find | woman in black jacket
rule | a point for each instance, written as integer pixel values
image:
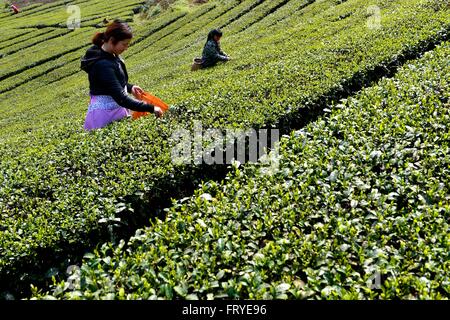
(108, 79)
(212, 53)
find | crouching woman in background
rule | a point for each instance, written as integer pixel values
(212, 52)
(108, 79)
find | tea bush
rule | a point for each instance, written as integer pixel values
(358, 208)
(63, 190)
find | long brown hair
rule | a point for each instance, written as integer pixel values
(117, 30)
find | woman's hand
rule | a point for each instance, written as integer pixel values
(158, 112)
(137, 92)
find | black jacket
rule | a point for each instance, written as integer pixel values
(108, 76)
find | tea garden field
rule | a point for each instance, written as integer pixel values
(358, 206)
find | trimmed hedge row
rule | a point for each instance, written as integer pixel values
(196, 31)
(173, 24)
(187, 34)
(358, 208)
(37, 39)
(54, 48)
(36, 10)
(65, 192)
(66, 61)
(58, 14)
(256, 14)
(12, 36)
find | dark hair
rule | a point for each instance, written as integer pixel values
(117, 30)
(213, 33)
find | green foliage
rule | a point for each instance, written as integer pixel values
(62, 190)
(362, 193)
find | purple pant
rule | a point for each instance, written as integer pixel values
(102, 111)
